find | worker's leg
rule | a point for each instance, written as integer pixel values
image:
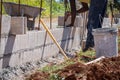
(73, 12)
(103, 12)
(96, 14)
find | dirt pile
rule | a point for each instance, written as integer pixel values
(38, 76)
(106, 69)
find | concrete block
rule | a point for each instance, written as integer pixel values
(6, 21)
(16, 44)
(27, 56)
(40, 37)
(18, 25)
(31, 39)
(22, 42)
(1, 64)
(78, 21)
(9, 44)
(14, 59)
(106, 22)
(3, 45)
(10, 60)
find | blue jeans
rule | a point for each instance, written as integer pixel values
(95, 18)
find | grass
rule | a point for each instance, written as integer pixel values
(53, 68)
(89, 56)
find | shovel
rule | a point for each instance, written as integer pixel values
(54, 40)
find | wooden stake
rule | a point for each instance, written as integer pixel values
(54, 40)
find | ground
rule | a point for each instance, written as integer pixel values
(105, 69)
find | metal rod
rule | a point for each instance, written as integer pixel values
(54, 40)
(50, 14)
(65, 5)
(19, 7)
(1, 18)
(40, 15)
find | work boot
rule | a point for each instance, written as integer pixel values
(88, 47)
(85, 49)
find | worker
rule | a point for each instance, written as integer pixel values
(74, 10)
(95, 18)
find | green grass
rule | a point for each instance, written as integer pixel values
(53, 68)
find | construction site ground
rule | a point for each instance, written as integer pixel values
(77, 68)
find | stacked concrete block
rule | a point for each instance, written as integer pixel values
(36, 45)
(1, 63)
(18, 25)
(3, 45)
(118, 22)
(78, 21)
(9, 45)
(6, 21)
(106, 22)
(14, 59)
(5, 29)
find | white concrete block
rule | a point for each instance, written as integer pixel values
(9, 44)
(14, 59)
(3, 45)
(6, 21)
(78, 21)
(18, 25)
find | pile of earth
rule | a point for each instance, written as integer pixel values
(105, 69)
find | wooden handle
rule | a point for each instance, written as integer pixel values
(54, 40)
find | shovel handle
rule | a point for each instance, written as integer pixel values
(54, 40)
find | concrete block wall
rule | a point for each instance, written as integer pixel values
(36, 45)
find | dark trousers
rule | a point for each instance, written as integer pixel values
(95, 18)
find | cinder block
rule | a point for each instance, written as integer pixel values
(18, 25)
(9, 44)
(38, 44)
(6, 21)
(78, 21)
(3, 45)
(106, 22)
(1, 64)
(14, 59)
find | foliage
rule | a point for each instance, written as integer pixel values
(115, 6)
(53, 68)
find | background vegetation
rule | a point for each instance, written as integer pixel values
(57, 6)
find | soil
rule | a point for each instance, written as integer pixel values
(105, 69)
(38, 76)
